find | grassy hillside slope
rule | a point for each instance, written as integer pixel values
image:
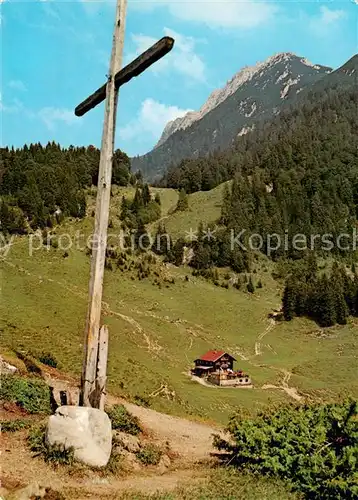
(204, 206)
(156, 333)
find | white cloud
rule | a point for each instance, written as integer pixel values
(50, 116)
(329, 16)
(215, 14)
(151, 120)
(183, 58)
(326, 20)
(15, 107)
(17, 85)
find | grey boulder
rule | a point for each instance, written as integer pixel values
(87, 430)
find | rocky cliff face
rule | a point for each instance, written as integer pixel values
(220, 95)
(254, 93)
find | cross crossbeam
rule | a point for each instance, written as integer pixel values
(133, 69)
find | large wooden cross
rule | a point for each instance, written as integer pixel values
(94, 367)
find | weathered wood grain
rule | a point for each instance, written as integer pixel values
(133, 69)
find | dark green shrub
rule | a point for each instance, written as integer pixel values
(123, 420)
(250, 286)
(313, 447)
(15, 425)
(108, 264)
(32, 395)
(48, 359)
(59, 455)
(149, 454)
(54, 242)
(29, 361)
(36, 439)
(141, 401)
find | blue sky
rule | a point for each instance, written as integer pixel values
(54, 54)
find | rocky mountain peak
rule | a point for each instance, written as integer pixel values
(218, 96)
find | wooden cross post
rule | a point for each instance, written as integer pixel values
(94, 367)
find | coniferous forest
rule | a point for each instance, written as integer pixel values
(299, 171)
(39, 185)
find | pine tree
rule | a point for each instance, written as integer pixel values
(325, 303)
(250, 286)
(355, 308)
(137, 202)
(289, 301)
(337, 284)
(163, 243)
(141, 237)
(183, 203)
(146, 197)
(178, 252)
(124, 208)
(139, 178)
(226, 205)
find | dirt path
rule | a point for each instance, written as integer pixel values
(191, 440)
(161, 219)
(20, 467)
(291, 391)
(271, 326)
(238, 352)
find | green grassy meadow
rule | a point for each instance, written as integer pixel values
(156, 333)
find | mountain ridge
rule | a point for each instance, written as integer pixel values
(262, 92)
(221, 94)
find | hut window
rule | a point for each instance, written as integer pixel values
(246, 379)
(240, 380)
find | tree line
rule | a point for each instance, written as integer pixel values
(318, 135)
(295, 176)
(326, 298)
(298, 174)
(39, 185)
